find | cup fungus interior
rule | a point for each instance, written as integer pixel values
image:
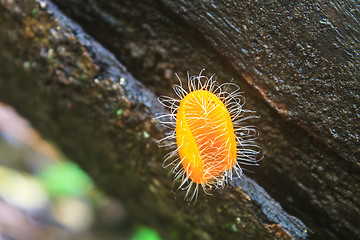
(205, 136)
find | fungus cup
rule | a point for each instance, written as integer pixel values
(210, 134)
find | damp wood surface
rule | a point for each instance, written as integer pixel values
(296, 63)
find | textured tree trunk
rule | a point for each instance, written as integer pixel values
(297, 63)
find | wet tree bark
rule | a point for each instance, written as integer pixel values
(298, 65)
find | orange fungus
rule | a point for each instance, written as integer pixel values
(209, 133)
(205, 136)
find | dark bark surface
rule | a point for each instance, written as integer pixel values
(297, 64)
(78, 95)
(302, 56)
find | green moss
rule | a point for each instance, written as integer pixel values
(119, 112)
(35, 11)
(234, 228)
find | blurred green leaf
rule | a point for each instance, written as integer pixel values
(145, 233)
(65, 178)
